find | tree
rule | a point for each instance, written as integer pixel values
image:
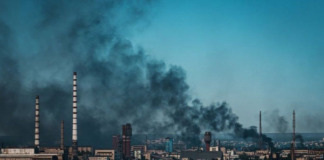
(244, 157)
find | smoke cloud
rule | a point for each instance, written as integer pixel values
(307, 122)
(43, 42)
(301, 141)
(276, 121)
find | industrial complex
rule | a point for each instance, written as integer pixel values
(122, 148)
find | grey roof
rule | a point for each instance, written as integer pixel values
(201, 155)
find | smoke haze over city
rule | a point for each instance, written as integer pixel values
(128, 74)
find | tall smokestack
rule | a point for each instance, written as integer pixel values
(260, 131)
(37, 124)
(294, 133)
(207, 139)
(146, 141)
(62, 134)
(75, 122)
(294, 139)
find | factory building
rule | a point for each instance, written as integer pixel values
(230, 155)
(142, 148)
(98, 158)
(23, 151)
(29, 154)
(61, 154)
(216, 148)
(138, 151)
(202, 155)
(81, 151)
(29, 157)
(104, 154)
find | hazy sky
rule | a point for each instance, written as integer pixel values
(256, 55)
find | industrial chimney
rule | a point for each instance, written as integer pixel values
(260, 132)
(75, 122)
(293, 144)
(207, 139)
(37, 125)
(294, 133)
(62, 135)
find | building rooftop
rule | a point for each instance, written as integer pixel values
(201, 155)
(27, 155)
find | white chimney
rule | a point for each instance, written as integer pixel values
(75, 118)
(37, 122)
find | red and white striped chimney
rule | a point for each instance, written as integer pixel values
(37, 123)
(75, 113)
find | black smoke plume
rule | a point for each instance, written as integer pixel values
(301, 141)
(43, 42)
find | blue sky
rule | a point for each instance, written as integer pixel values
(256, 55)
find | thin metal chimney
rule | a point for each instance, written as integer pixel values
(75, 113)
(37, 123)
(62, 134)
(294, 133)
(260, 131)
(294, 139)
(146, 141)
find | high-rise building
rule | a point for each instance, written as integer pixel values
(117, 146)
(127, 133)
(169, 144)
